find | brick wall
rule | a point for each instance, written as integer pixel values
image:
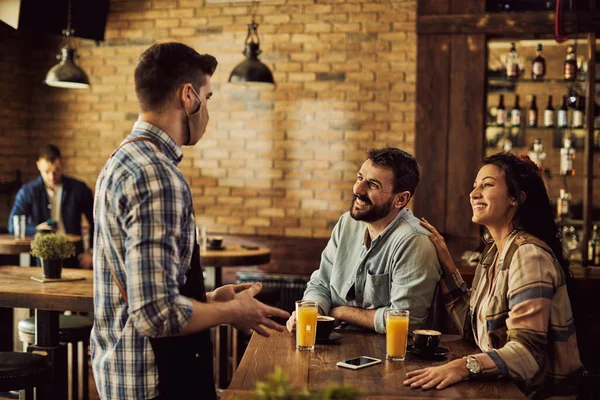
(15, 110)
(274, 161)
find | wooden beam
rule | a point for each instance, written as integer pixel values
(465, 130)
(588, 163)
(505, 24)
(431, 140)
(433, 7)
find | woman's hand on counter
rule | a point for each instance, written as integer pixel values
(443, 254)
(438, 377)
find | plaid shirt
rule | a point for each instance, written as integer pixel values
(145, 226)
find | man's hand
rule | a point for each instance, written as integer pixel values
(226, 292)
(251, 314)
(291, 322)
(438, 377)
(86, 260)
(44, 227)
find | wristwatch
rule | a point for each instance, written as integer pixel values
(473, 366)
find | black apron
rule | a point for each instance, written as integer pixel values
(184, 363)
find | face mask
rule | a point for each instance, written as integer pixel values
(197, 121)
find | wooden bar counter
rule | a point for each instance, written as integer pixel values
(318, 370)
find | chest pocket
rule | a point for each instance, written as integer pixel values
(377, 290)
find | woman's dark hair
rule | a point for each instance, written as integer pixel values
(534, 213)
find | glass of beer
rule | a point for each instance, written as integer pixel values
(306, 324)
(396, 336)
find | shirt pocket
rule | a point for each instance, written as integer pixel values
(377, 290)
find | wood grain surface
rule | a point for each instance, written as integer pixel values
(9, 245)
(318, 370)
(17, 289)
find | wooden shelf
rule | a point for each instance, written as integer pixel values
(507, 24)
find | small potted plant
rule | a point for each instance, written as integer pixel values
(52, 249)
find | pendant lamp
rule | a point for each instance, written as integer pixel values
(252, 69)
(66, 74)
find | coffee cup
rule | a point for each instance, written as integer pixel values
(426, 340)
(325, 325)
(216, 242)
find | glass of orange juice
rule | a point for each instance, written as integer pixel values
(396, 322)
(306, 324)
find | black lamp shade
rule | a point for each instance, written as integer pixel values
(251, 70)
(66, 74)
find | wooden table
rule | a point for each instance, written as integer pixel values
(232, 255)
(17, 289)
(11, 246)
(318, 370)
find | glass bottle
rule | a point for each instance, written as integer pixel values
(512, 63)
(563, 204)
(578, 114)
(594, 247)
(532, 114)
(537, 154)
(549, 114)
(538, 67)
(515, 113)
(567, 157)
(501, 112)
(570, 66)
(562, 114)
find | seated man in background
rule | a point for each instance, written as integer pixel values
(379, 256)
(54, 196)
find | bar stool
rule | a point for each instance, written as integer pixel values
(23, 372)
(73, 329)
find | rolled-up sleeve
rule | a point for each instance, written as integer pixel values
(153, 205)
(318, 287)
(415, 275)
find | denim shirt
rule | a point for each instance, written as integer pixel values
(400, 270)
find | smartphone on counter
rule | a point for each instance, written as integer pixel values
(358, 362)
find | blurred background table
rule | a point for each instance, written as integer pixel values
(17, 289)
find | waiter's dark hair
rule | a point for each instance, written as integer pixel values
(164, 67)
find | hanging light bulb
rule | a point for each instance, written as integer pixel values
(252, 69)
(66, 74)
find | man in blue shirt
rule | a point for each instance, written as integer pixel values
(379, 256)
(55, 196)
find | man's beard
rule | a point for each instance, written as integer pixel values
(372, 213)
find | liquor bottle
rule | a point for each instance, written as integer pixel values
(563, 204)
(578, 114)
(532, 114)
(594, 247)
(501, 112)
(549, 114)
(538, 67)
(512, 63)
(570, 67)
(515, 113)
(567, 157)
(537, 154)
(563, 113)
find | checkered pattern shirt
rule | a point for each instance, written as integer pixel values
(145, 226)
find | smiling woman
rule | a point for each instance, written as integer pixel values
(520, 282)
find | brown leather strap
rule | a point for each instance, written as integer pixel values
(122, 290)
